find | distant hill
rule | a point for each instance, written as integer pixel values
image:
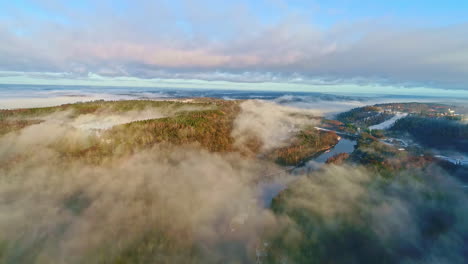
(435, 132)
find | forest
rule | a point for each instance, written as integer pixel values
(435, 132)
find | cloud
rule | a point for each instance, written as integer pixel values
(269, 123)
(152, 40)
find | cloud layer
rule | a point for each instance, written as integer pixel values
(209, 41)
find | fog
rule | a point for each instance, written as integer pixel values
(61, 210)
(347, 212)
(270, 123)
(54, 210)
(183, 204)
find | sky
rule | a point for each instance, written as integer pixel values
(336, 45)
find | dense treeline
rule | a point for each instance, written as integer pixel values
(435, 132)
(16, 119)
(364, 116)
(211, 129)
(305, 144)
(372, 115)
(91, 107)
(420, 108)
(205, 122)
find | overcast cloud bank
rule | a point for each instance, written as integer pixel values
(212, 42)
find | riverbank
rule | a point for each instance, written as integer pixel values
(269, 190)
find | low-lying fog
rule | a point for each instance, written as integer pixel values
(327, 104)
(182, 204)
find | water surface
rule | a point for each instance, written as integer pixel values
(269, 190)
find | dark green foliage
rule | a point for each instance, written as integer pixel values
(378, 133)
(350, 128)
(364, 116)
(435, 132)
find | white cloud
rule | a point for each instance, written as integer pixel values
(210, 41)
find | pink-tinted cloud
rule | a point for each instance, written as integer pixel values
(201, 37)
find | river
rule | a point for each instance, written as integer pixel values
(269, 190)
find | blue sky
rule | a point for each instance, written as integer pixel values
(322, 12)
(292, 44)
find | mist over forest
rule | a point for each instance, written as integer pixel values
(183, 181)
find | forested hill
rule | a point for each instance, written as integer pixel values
(371, 115)
(435, 132)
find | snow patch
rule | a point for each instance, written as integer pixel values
(389, 123)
